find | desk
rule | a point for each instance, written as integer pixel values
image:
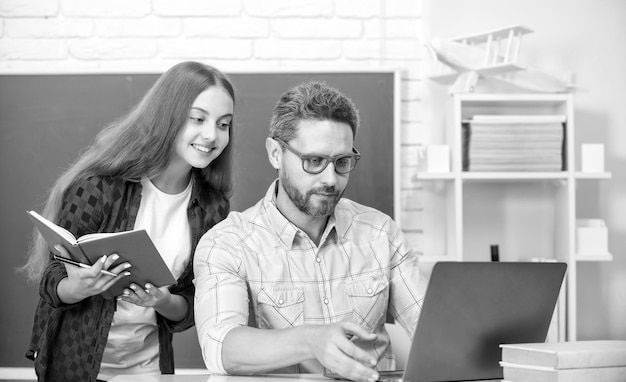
(230, 378)
(222, 378)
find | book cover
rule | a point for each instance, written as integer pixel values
(567, 355)
(134, 247)
(524, 373)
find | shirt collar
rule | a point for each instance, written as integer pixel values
(284, 229)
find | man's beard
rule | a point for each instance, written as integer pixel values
(325, 207)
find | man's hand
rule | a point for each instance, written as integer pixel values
(333, 347)
(247, 350)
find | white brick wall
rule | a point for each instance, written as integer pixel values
(42, 28)
(104, 9)
(289, 8)
(29, 8)
(317, 28)
(196, 8)
(116, 35)
(232, 27)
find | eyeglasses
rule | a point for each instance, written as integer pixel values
(316, 163)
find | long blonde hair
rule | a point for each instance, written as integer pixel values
(139, 145)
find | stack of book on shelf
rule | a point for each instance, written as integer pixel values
(513, 143)
(576, 361)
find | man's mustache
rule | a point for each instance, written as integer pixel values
(325, 190)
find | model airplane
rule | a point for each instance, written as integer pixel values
(491, 56)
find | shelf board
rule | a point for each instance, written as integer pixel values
(594, 257)
(433, 176)
(530, 175)
(593, 175)
(487, 176)
(490, 98)
(468, 175)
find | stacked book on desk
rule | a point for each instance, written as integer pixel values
(513, 143)
(576, 361)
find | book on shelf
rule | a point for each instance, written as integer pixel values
(566, 355)
(135, 247)
(525, 373)
(519, 118)
(514, 167)
(513, 143)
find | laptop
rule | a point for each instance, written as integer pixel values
(470, 308)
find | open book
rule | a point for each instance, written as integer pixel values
(134, 247)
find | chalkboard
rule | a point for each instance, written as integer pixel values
(45, 120)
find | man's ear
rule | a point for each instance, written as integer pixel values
(274, 153)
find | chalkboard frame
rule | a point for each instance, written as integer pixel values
(14, 340)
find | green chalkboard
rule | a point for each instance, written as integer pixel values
(45, 120)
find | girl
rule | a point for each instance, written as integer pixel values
(165, 167)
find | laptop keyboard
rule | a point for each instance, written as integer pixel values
(383, 376)
(390, 376)
(389, 379)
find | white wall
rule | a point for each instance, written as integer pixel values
(586, 37)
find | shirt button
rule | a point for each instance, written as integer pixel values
(281, 301)
(370, 291)
(318, 259)
(326, 301)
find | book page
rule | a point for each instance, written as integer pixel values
(98, 235)
(67, 235)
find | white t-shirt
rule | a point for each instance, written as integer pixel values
(133, 344)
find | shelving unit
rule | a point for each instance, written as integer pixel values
(531, 216)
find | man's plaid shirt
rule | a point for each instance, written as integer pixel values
(256, 268)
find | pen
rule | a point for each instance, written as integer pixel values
(76, 263)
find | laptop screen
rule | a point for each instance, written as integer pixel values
(470, 308)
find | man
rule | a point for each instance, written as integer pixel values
(304, 279)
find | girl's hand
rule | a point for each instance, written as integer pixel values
(171, 306)
(150, 296)
(86, 282)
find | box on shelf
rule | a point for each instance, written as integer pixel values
(591, 237)
(592, 157)
(438, 158)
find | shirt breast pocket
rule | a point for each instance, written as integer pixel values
(280, 308)
(369, 298)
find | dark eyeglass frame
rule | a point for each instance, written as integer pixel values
(326, 158)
